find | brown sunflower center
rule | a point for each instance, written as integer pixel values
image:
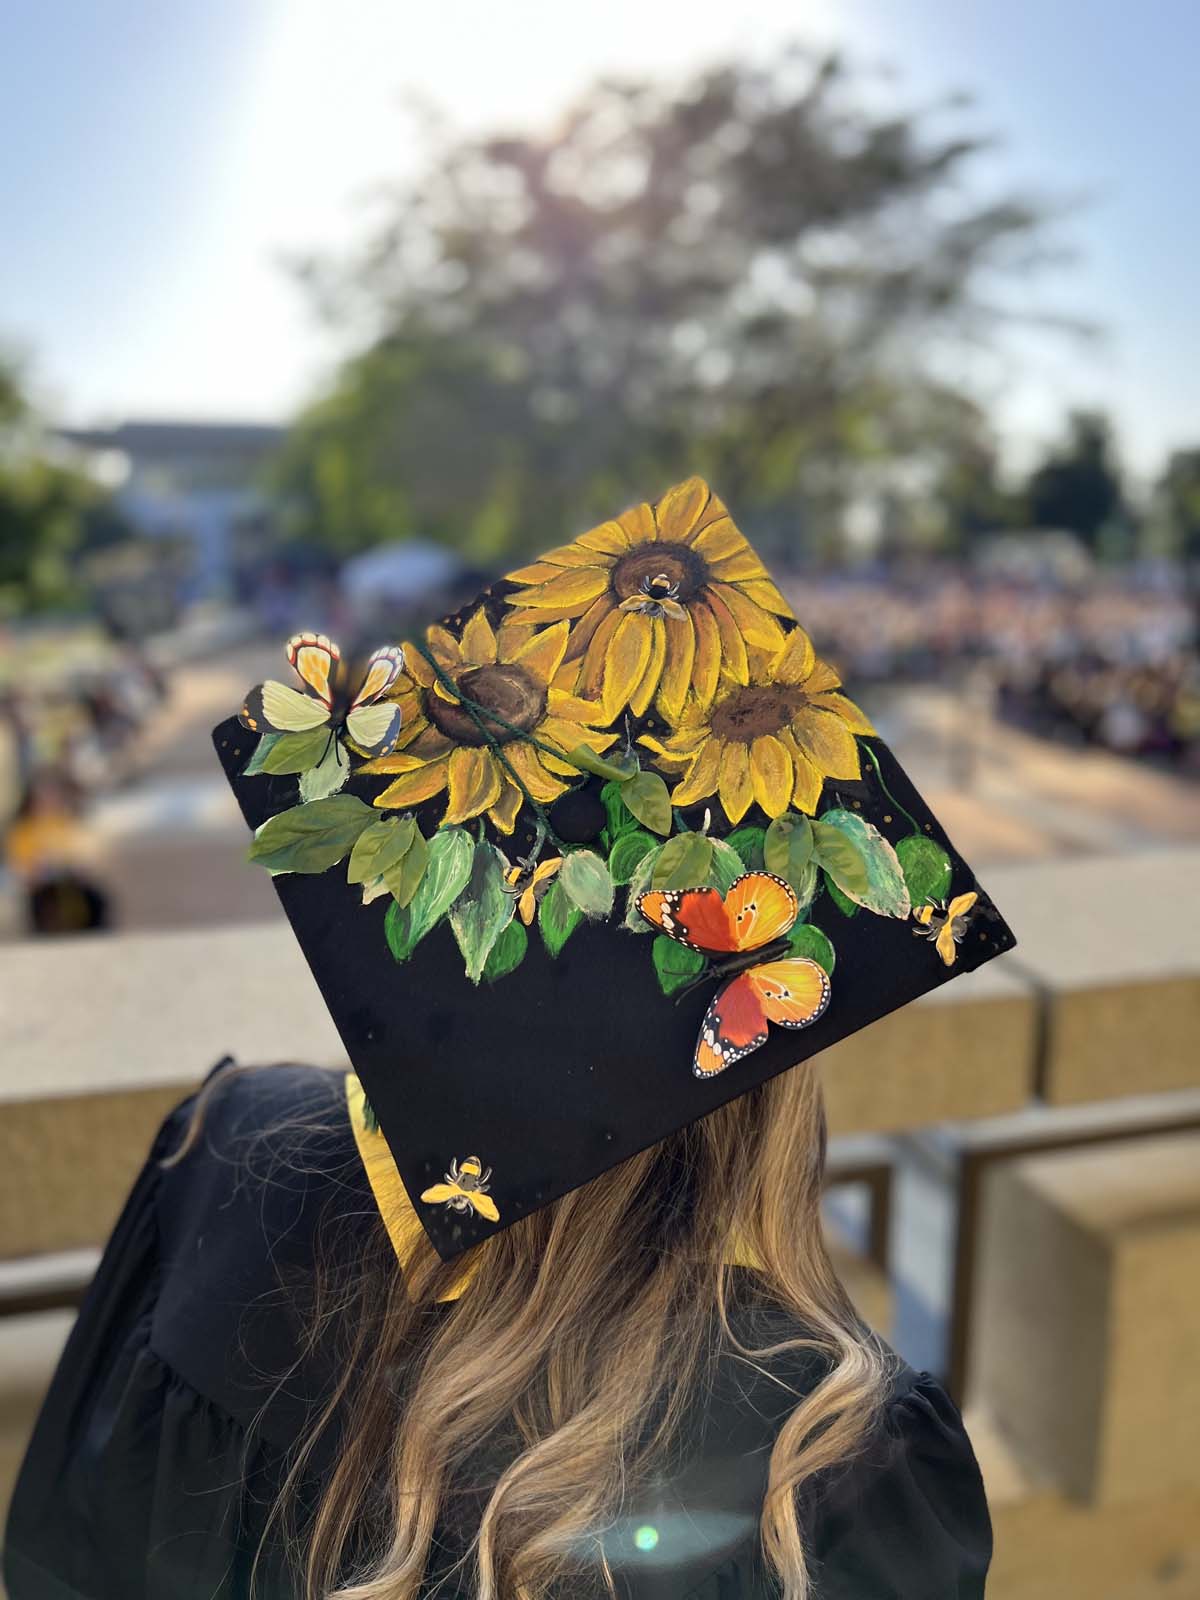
(660, 568)
(509, 691)
(764, 708)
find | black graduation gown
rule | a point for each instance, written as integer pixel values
(164, 1438)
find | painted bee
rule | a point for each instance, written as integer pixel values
(465, 1189)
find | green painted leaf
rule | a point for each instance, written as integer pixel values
(508, 952)
(647, 798)
(748, 842)
(807, 940)
(374, 889)
(788, 848)
(628, 854)
(683, 862)
(328, 776)
(926, 868)
(840, 857)
(726, 867)
(314, 837)
(587, 760)
(806, 884)
(557, 918)
(674, 964)
(482, 911)
(885, 891)
(620, 819)
(288, 752)
(587, 883)
(379, 848)
(635, 922)
(405, 876)
(448, 866)
(846, 906)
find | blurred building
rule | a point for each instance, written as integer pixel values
(198, 485)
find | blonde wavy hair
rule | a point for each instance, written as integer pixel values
(586, 1332)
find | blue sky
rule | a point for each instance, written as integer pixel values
(158, 162)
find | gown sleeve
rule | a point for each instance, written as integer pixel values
(908, 1520)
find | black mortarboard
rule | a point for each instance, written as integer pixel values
(590, 858)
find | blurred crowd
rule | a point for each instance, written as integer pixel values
(1108, 663)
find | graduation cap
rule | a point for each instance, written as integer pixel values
(591, 857)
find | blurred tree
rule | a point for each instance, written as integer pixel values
(48, 512)
(754, 277)
(1078, 487)
(971, 499)
(1177, 497)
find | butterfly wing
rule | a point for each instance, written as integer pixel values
(734, 1025)
(273, 707)
(694, 917)
(315, 658)
(382, 670)
(792, 992)
(760, 907)
(374, 728)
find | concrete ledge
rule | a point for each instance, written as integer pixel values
(1114, 944)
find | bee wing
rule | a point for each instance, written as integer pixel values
(947, 947)
(441, 1192)
(924, 914)
(484, 1204)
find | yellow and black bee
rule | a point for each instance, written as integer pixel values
(946, 925)
(465, 1189)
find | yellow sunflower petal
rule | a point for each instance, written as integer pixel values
(827, 742)
(639, 700)
(574, 589)
(702, 779)
(713, 512)
(609, 539)
(535, 572)
(570, 708)
(626, 661)
(733, 646)
(582, 632)
(706, 667)
(806, 792)
(735, 788)
(474, 783)
(794, 660)
(504, 812)
(638, 522)
(679, 510)
(541, 785)
(677, 668)
(569, 734)
(764, 593)
(758, 628)
(417, 667)
(414, 787)
(443, 647)
(573, 555)
(853, 716)
(771, 774)
(739, 566)
(821, 678)
(669, 760)
(719, 540)
(591, 673)
(479, 641)
(542, 654)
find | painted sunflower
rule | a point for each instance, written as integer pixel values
(663, 600)
(773, 740)
(441, 746)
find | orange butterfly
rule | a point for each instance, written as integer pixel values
(748, 923)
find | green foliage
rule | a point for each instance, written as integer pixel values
(683, 862)
(449, 857)
(379, 847)
(750, 845)
(482, 911)
(287, 752)
(620, 819)
(586, 759)
(848, 907)
(600, 250)
(807, 940)
(646, 796)
(635, 922)
(840, 858)
(628, 853)
(788, 849)
(726, 866)
(507, 953)
(926, 868)
(329, 774)
(311, 838)
(884, 891)
(557, 918)
(586, 883)
(674, 964)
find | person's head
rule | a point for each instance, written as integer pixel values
(583, 1335)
